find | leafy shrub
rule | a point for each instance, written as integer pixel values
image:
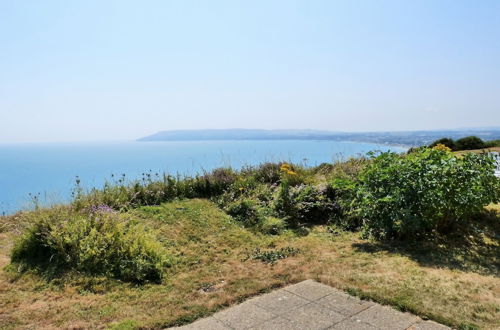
(214, 183)
(428, 190)
(469, 143)
(271, 225)
(441, 147)
(345, 192)
(246, 211)
(289, 175)
(99, 242)
(324, 168)
(268, 173)
(444, 141)
(305, 204)
(492, 143)
(349, 168)
(466, 143)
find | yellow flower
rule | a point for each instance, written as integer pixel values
(441, 147)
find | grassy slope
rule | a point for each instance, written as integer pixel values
(455, 283)
(478, 151)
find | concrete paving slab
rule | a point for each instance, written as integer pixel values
(428, 325)
(313, 317)
(310, 290)
(279, 301)
(208, 323)
(344, 303)
(309, 305)
(386, 318)
(351, 324)
(277, 323)
(243, 316)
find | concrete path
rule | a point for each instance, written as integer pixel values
(311, 305)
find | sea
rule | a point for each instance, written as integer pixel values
(49, 171)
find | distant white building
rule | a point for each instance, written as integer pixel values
(496, 156)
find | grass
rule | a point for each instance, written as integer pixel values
(218, 263)
(478, 151)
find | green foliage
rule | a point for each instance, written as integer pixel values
(246, 211)
(214, 183)
(492, 143)
(466, 143)
(272, 225)
(272, 256)
(345, 192)
(426, 191)
(305, 204)
(125, 325)
(469, 143)
(390, 196)
(154, 189)
(98, 242)
(444, 141)
(268, 173)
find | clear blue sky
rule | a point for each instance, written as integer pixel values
(111, 70)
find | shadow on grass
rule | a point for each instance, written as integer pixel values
(474, 248)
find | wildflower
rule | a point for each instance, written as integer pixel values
(441, 147)
(285, 167)
(94, 209)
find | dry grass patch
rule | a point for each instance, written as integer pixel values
(443, 280)
(478, 151)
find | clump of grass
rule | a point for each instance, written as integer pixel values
(272, 256)
(272, 225)
(153, 189)
(98, 242)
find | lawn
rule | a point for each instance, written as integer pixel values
(454, 280)
(478, 151)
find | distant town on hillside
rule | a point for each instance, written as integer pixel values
(406, 138)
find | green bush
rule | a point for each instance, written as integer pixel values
(305, 204)
(426, 191)
(492, 143)
(99, 242)
(246, 211)
(469, 143)
(267, 173)
(214, 183)
(466, 143)
(444, 141)
(154, 189)
(271, 225)
(345, 192)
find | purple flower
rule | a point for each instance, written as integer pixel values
(101, 209)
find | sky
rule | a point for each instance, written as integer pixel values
(99, 70)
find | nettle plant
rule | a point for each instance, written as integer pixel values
(430, 190)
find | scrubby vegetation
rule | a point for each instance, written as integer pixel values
(466, 143)
(98, 242)
(423, 193)
(185, 234)
(387, 195)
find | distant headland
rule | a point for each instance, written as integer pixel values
(406, 138)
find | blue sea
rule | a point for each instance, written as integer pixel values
(50, 170)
